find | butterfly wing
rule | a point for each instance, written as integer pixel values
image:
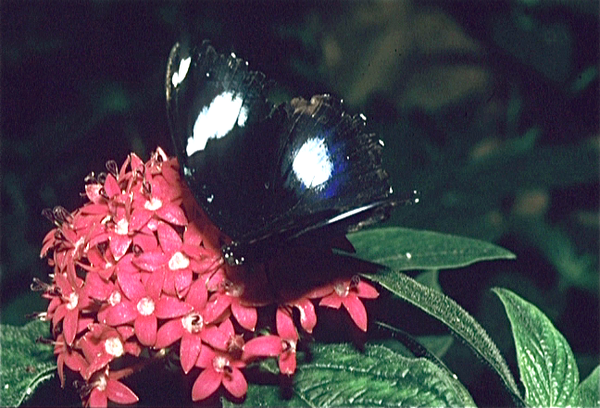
(328, 162)
(328, 180)
(223, 134)
(266, 177)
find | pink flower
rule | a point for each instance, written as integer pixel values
(191, 329)
(269, 345)
(143, 306)
(289, 339)
(118, 229)
(50, 241)
(347, 293)
(66, 355)
(283, 345)
(106, 387)
(176, 259)
(102, 262)
(73, 300)
(308, 317)
(160, 163)
(221, 367)
(102, 344)
(158, 198)
(122, 225)
(114, 298)
(96, 287)
(230, 295)
(70, 239)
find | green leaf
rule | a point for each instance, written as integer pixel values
(408, 249)
(25, 363)
(546, 363)
(340, 375)
(452, 315)
(589, 390)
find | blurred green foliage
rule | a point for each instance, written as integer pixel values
(489, 109)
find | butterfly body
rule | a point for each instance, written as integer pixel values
(270, 177)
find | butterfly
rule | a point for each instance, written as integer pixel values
(270, 177)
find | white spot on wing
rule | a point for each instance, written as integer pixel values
(216, 120)
(179, 76)
(312, 164)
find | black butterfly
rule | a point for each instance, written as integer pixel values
(270, 177)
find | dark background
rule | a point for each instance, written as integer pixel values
(488, 108)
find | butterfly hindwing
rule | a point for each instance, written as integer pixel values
(329, 162)
(329, 176)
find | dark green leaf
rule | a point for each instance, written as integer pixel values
(408, 249)
(558, 247)
(451, 314)
(25, 363)
(589, 390)
(340, 375)
(584, 79)
(551, 167)
(546, 362)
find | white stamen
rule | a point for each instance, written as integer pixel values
(178, 261)
(114, 346)
(145, 306)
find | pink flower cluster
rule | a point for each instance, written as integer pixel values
(138, 267)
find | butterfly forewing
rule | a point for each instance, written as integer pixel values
(222, 132)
